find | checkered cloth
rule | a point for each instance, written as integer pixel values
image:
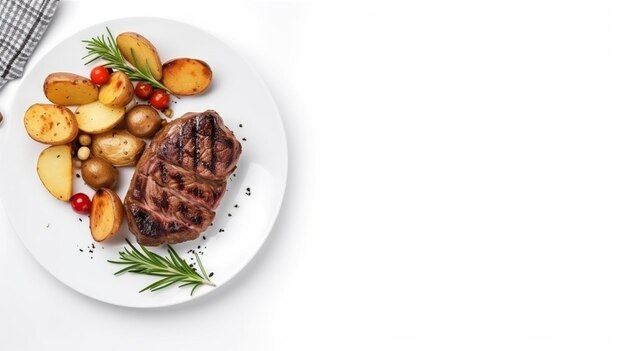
(22, 24)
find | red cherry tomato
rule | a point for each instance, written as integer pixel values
(143, 90)
(100, 75)
(160, 99)
(80, 203)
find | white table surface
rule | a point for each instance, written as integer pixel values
(456, 182)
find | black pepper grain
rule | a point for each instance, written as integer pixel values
(80, 219)
(221, 230)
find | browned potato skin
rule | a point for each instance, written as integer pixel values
(107, 214)
(142, 49)
(187, 76)
(143, 121)
(118, 147)
(50, 124)
(63, 88)
(118, 92)
(99, 173)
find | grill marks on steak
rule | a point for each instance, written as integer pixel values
(180, 179)
(203, 146)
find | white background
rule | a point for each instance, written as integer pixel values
(456, 182)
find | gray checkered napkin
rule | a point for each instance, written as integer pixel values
(22, 24)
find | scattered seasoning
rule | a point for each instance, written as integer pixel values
(80, 219)
(58, 156)
(93, 246)
(90, 251)
(77, 175)
(221, 230)
(81, 250)
(210, 274)
(234, 174)
(203, 237)
(236, 206)
(240, 125)
(244, 139)
(230, 215)
(248, 191)
(199, 247)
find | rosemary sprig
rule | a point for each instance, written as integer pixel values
(104, 47)
(172, 268)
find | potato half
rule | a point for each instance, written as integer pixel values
(64, 88)
(118, 92)
(97, 117)
(50, 124)
(144, 52)
(107, 213)
(54, 168)
(118, 147)
(187, 76)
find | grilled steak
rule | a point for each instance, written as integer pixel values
(180, 179)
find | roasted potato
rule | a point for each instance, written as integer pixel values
(107, 214)
(50, 124)
(118, 147)
(64, 88)
(96, 117)
(118, 92)
(140, 52)
(54, 168)
(143, 121)
(99, 173)
(187, 76)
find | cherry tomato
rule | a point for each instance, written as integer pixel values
(100, 75)
(143, 90)
(80, 203)
(160, 99)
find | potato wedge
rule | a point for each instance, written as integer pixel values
(50, 124)
(64, 88)
(54, 168)
(134, 44)
(118, 147)
(187, 76)
(96, 117)
(118, 92)
(107, 213)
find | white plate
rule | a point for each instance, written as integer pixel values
(55, 235)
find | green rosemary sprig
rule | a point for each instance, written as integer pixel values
(172, 268)
(104, 47)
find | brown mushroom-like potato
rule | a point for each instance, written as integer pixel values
(99, 173)
(143, 121)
